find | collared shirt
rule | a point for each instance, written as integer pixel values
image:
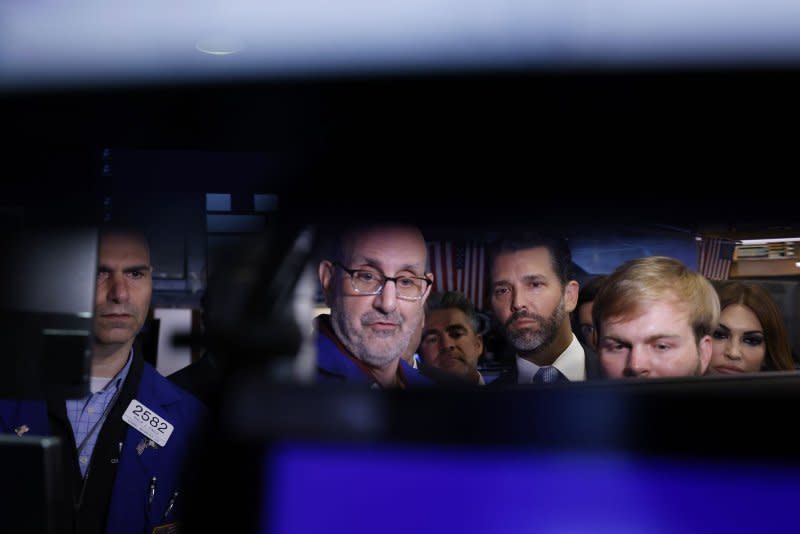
(84, 414)
(571, 364)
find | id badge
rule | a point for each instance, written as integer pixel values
(149, 423)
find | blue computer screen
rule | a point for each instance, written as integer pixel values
(438, 489)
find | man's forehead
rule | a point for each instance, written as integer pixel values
(586, 309)
(447, 317)
(536, 258)
(123, 248)
(390, 260)
(386, 261)
(405, 242)
(660, 318)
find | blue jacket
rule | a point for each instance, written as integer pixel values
(128, 511)
(335, 367)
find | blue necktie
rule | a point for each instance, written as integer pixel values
(546, 375)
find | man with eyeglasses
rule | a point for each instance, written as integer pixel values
(376, 286)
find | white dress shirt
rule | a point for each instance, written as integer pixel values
(571, 363)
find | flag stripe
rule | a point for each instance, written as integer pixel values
(714, 259)
(448, 266)
(475, 271)
(435, 264)
(481, 265)
(459, 266)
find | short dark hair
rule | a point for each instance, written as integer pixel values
(589, 291)
(125, 229)
(560, 254)
(445, 300)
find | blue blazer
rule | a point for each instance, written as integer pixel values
(129, 512)
(335, 367)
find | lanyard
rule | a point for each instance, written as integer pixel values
(77, 503)
(99, 422)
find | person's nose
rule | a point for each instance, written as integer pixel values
(636, 364)
(446, 344)
(516, 302)
(118, 288)
(386, 300)
(733, 349)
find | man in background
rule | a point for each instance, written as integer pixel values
(450, 339)
(654, 318)
(584, 325)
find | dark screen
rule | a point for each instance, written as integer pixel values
(47, 281)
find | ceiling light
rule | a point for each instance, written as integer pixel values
(220, 45)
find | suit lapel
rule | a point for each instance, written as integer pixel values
(158, 402)
(135, 469)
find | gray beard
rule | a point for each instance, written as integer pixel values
(375, 349)
(533, 340)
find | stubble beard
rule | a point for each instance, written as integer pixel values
(377, 349)
(532, 340)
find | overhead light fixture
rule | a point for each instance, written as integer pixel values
(220, 45)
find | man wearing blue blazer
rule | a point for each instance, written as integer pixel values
(375, 283)
(126, 443)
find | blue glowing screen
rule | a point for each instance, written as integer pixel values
(403, 490)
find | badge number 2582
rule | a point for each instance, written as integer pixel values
(148, 422)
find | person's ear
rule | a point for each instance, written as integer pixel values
(571, 296)
(430, 277)
(704, 350)
(325, 272)
(479, 345)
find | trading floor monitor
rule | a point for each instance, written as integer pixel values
(31, 492)
(47, 284)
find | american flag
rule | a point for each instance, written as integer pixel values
(715, 257)
(459, 266)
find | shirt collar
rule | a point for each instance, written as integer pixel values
(120, 377)
(570, 363)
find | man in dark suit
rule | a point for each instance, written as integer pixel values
(532, 296)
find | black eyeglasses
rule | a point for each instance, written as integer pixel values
(372, 282)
